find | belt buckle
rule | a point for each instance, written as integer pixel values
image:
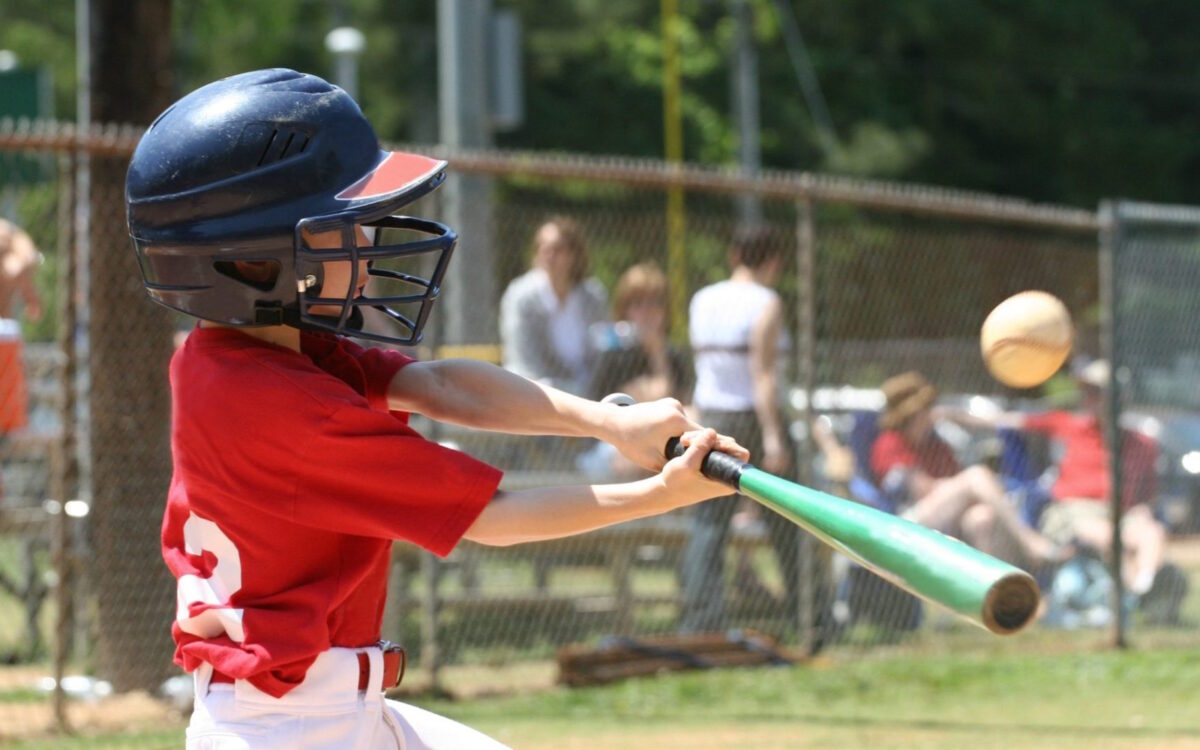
(393, 653)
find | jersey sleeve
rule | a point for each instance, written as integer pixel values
(379, 366)
(366, 473)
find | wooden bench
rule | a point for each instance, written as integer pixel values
(618, 550)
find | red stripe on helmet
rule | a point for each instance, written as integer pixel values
(397, 172)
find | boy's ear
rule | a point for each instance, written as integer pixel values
(260, 274)
(257, 270)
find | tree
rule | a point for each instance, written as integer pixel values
(130, 345)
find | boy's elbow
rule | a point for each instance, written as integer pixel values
(494, 538)
(491, 529)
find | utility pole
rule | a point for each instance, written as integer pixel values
(465, 123)
(746, 107)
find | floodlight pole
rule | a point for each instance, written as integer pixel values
(346, 43)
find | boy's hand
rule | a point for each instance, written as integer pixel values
(682, 476)
(641, 431)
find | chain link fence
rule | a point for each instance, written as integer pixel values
(1151, 263)
(876, 279)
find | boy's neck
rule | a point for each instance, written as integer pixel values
(285, 336)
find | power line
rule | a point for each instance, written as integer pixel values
(810, 87)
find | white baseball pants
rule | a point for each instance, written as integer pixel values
(325, 712)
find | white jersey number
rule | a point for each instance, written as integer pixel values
(199, 536)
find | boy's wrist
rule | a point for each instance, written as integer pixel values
(605, 423)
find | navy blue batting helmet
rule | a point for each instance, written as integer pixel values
(247, 169)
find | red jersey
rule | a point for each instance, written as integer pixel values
(291, 480)
(892, 449)
(1083, 471)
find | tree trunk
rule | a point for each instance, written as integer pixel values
(130, 346)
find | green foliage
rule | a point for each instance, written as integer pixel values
(43, 35)
(1066, 102)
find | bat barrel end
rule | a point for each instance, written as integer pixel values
(1011, 603)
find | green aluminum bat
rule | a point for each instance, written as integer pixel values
(937, 568)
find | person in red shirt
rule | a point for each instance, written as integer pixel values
(263, 206)
(917, 469)
(1080, 509)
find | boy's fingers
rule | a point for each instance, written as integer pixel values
(714, 441)
(699, 443)
(727, 444)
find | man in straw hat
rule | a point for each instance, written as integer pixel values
(914, 465)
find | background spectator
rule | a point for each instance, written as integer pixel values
(1079, 511)
(635, 357)
(918, 470)
(634, 353)
(736, 331)
(19, 259)
(546, 313)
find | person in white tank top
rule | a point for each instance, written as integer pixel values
(724, 319)
(736, 332)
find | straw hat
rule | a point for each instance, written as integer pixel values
(907, 394)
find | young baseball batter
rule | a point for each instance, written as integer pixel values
(261, 204)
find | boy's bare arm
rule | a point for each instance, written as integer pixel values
(552, 512)
(483, 396)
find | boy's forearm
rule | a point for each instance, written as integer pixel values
(484, 396)
(553, 512)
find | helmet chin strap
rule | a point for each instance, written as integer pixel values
(290, 316)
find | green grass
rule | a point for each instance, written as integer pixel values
(1018, 695)
(1062, 701)
(21, 695)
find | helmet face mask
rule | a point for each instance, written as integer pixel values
(403, 277)
(245, 169)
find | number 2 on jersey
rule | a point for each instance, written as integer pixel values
(201, 535)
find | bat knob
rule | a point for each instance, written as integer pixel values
(620, 399)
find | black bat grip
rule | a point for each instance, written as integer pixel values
(718, 466)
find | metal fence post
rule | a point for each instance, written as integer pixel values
(806, 376)
(1110, 249)
(63, 466)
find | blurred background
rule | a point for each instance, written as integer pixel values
(911, 164)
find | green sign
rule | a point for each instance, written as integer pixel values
(19, 93)
(20, 97)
